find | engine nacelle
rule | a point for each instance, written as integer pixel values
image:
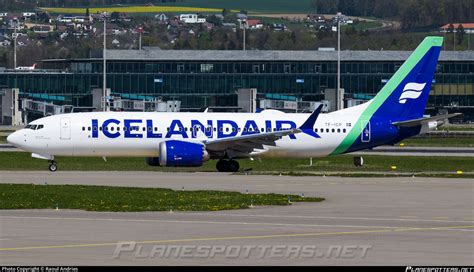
(181, 153)
(152, 161)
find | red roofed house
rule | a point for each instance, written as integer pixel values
(468, 27)
(254, 24)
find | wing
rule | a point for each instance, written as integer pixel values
(242, 146)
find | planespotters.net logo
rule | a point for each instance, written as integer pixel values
(439, 269)
(411, 91)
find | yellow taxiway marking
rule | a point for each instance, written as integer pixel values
(207, 239)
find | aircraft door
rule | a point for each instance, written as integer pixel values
(366, 133)
(65, 129)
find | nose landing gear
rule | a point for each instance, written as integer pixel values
(52, 166)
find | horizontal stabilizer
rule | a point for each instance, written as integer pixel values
(421, 121)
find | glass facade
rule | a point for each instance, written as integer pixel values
(213, 83)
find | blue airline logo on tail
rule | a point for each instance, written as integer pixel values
(411, 91)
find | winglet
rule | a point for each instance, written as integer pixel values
(309, 123)
(307, 126)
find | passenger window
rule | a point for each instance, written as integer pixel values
(315, 130)
(83, 128)
(118, 128)
(333, 130)
(344, 130)
(338, 130)
(327, 130)
(94, 128)
(89, 128)
(156, 129)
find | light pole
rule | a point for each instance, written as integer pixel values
(244, 24)
(338, 106)
(104, 57)
(15, 36)
(140, 31)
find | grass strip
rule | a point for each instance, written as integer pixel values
(127, 199)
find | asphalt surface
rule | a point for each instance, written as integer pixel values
(364, 221)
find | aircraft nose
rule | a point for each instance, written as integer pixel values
(15, 138)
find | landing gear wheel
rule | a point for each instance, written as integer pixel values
(52, 166)
(233, 166)
(227, 166)
(358, 161)
(221, 166)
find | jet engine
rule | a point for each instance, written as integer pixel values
(182, 154)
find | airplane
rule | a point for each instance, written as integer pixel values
(26, 68)
(190, 139)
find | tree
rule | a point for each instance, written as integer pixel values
(87, 13)
(115, 16)
(460, 31)
(225, 12)
(293, 37)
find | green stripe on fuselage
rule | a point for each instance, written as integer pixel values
(386, 91)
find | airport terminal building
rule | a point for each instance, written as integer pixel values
(210, 78)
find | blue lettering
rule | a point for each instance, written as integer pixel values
(176, 128)
(268, 126)
(221, 133)
(207, 130)
(106, 131)
(128, 131)
(250, 128)
(279, 126)
(95, 125)
(149, 133)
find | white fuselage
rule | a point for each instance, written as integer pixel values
(138, 134)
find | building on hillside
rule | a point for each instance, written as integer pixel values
(468, 27)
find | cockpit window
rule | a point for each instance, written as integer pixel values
(34, 127)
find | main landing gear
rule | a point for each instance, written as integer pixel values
(227, 166)
(358, 161)
(52, 166)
